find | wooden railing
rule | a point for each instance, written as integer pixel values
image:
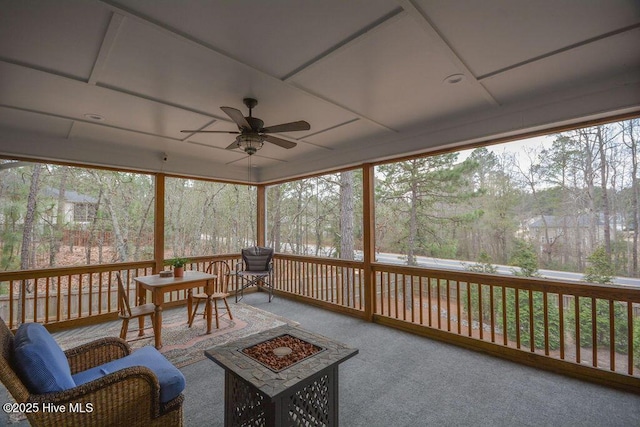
(585, 330)
(328, 282)
(65, 294)
(75, 295)
(563, 326)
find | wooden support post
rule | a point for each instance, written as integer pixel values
(158, 231)
(261, 216)
(368, 239)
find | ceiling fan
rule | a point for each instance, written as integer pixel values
(251, 131)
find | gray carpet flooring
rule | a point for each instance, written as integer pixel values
(399, 379)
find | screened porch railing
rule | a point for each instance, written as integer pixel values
(71, 295)
(585, 324)
(328, 281)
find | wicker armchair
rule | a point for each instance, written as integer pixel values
(128, 397)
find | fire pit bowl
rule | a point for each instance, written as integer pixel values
(281, 352)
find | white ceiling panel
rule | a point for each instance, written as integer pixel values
(150, 62)
(392, 75)
(106, 134)
(40, 33)
(19, 120)
(38, 91)
(275, 36)
(579, 67)
(354, 130)
(490, 35)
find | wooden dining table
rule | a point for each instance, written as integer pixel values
(159, 286)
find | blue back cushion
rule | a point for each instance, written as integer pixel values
(40, 361)
(171, 380)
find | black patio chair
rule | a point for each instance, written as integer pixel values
(256, 269)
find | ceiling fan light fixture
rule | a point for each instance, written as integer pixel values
(250, 143)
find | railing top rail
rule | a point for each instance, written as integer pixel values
(206, 258)
(95, 268)
(320, 260)
(616, 292)
(65, 271)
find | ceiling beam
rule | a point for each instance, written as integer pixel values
(105, 48)
(349, 41)
(562, 50)
(438, 39)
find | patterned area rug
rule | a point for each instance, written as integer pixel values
(181, 345)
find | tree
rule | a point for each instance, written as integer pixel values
(599, 269)
(526, 318)
(483, 265)
(347, 248)
(630, 138)
(525, 258)
(26, 254)
(431, 197)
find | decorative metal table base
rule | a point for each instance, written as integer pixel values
(304, 394)
(313, 402)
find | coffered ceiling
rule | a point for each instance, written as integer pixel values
(114, 82)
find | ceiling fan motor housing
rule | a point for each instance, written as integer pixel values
(256, 124)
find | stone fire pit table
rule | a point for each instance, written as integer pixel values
(303, 394)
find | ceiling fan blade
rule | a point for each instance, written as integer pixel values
(287, 127)
(237, 116)
(279, 141)
(209, 131)
(233, 145)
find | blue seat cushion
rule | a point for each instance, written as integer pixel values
(171, 379)
(40, 361)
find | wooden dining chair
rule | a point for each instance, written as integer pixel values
(219, 289)
(127, 313)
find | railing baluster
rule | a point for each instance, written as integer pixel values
(630, 336)
(505, 334)
(59, 302)
(493, 317)
(532, 338)
(80, 276)
(439, 302)
(545, 314)
(35, 300)
(577, 325)
(480, 317)
(448, 305)
(561, 323)
(46, 301)
(389, 298)
(612, 336)
(404, 295)
(10, 285)
(420, 300)
(594, 332)
(458, 308)
(23, 305)
(517, 306)
(469, 311)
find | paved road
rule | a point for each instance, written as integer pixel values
(452, 264)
